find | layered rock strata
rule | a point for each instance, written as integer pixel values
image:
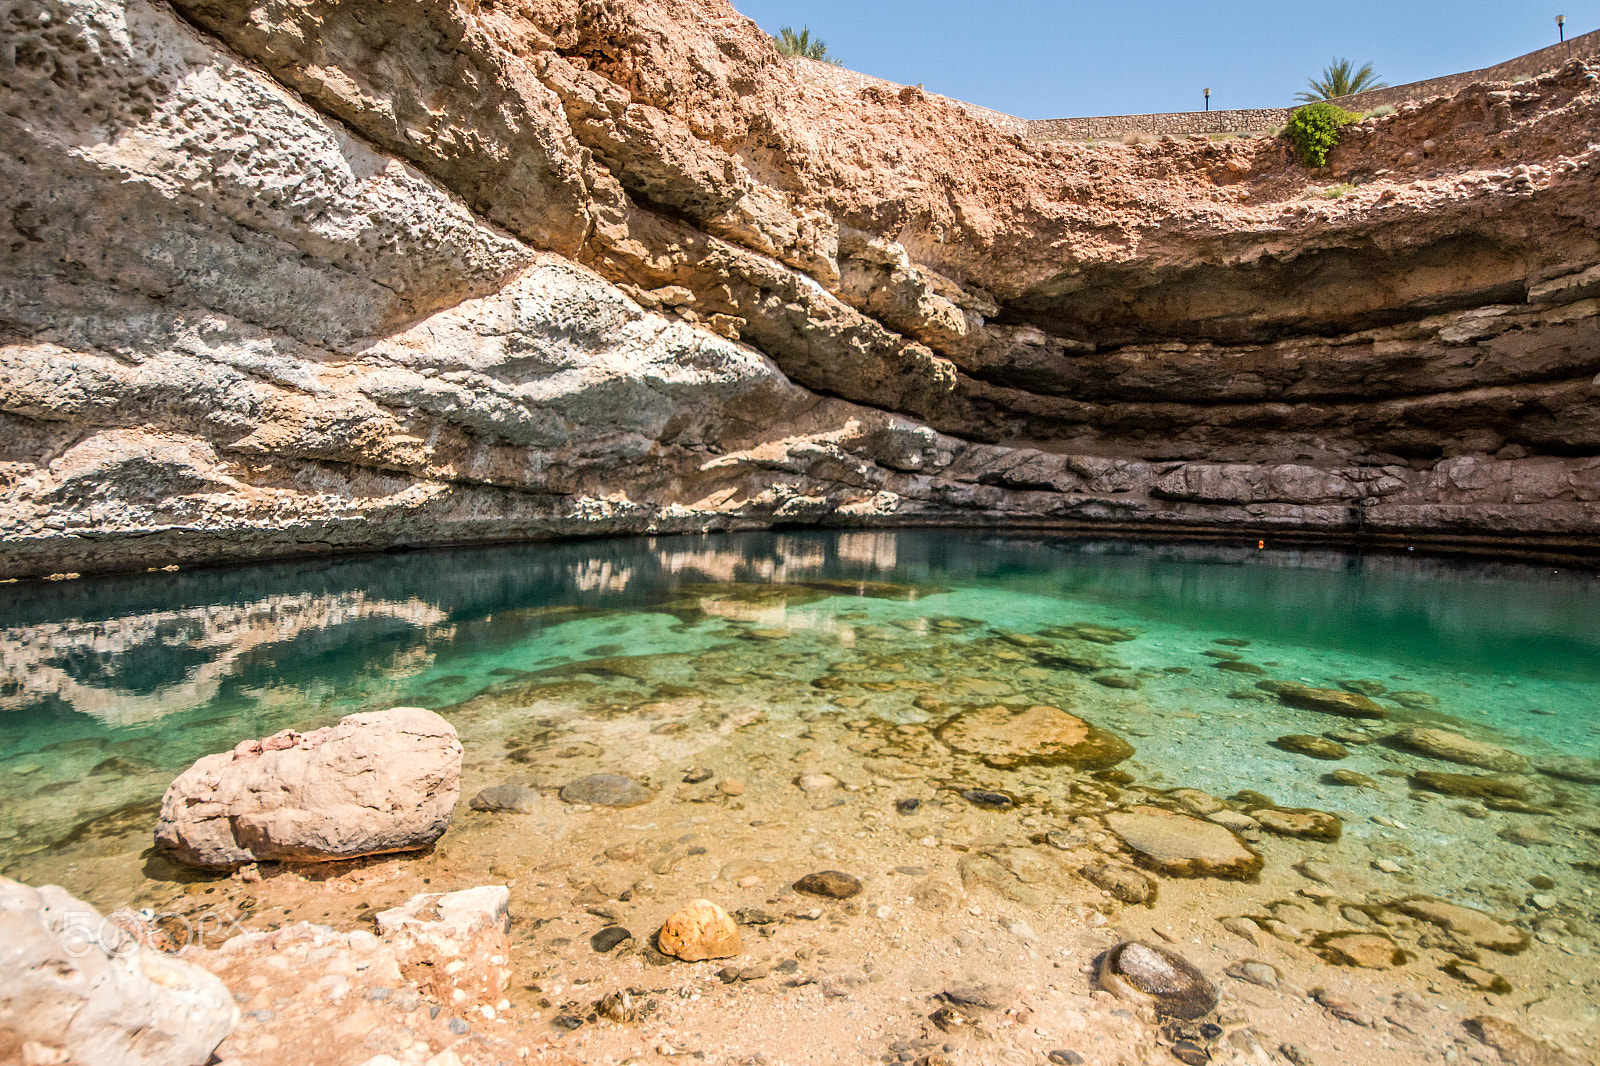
(295, 276)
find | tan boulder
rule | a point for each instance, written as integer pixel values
(77, 988)
(377, 782)
(1181, 846)
(701, 930)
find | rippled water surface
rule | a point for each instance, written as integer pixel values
(109, 687)
(727, 672)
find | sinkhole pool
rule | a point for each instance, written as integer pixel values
(769, 656)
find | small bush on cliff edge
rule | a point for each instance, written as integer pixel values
(1314, 130)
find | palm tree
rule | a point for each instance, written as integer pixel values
(1340, 78)
(791, 43)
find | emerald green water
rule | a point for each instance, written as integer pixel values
(110, 687)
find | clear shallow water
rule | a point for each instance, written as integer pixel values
(109, 687)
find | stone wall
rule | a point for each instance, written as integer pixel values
(1260, 120)
(1182, 123)
(1526, 66)
(1179, 123)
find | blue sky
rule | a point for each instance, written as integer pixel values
(1039, 59)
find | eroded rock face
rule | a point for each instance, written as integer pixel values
(75, 987)
(377, 782)
(301, 277)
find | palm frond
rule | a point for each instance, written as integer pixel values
(1341, 78)
(802, 44)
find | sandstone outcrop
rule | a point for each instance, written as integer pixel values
(77, 987)
(377, 782)
(301, 276)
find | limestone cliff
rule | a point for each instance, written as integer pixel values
(295, 276)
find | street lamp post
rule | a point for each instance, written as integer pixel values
(1561, 26)
(1208, 99)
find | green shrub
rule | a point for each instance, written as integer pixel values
(1380, 111)
(1314, 130)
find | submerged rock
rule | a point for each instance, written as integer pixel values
(1006, 737)
(1315, 747)
(1483, 930)
(1366, 950)
(378, 782)
(1180, 846)
(1471, 786)
(1095, 634)
(1350, 779)
(1122, 882)
(1477, 978)
(1142, 973)
(701, 930)
(830, 883)
(606, 790)
(1453, 747)
(1195, 801)
(1576, 768)
(76, 988)
(608, 938)
(1517, 1048)
(1326, 700)
(1300, 822)
(511, 799)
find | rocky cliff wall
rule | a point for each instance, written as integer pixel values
(297, 276)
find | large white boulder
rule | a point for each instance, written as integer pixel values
(76, 988)
(377, 782)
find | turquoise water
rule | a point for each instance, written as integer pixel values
(109, 687)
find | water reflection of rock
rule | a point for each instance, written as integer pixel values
(112, 668)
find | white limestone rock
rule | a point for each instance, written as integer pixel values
(76, 988)
(377, 782)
